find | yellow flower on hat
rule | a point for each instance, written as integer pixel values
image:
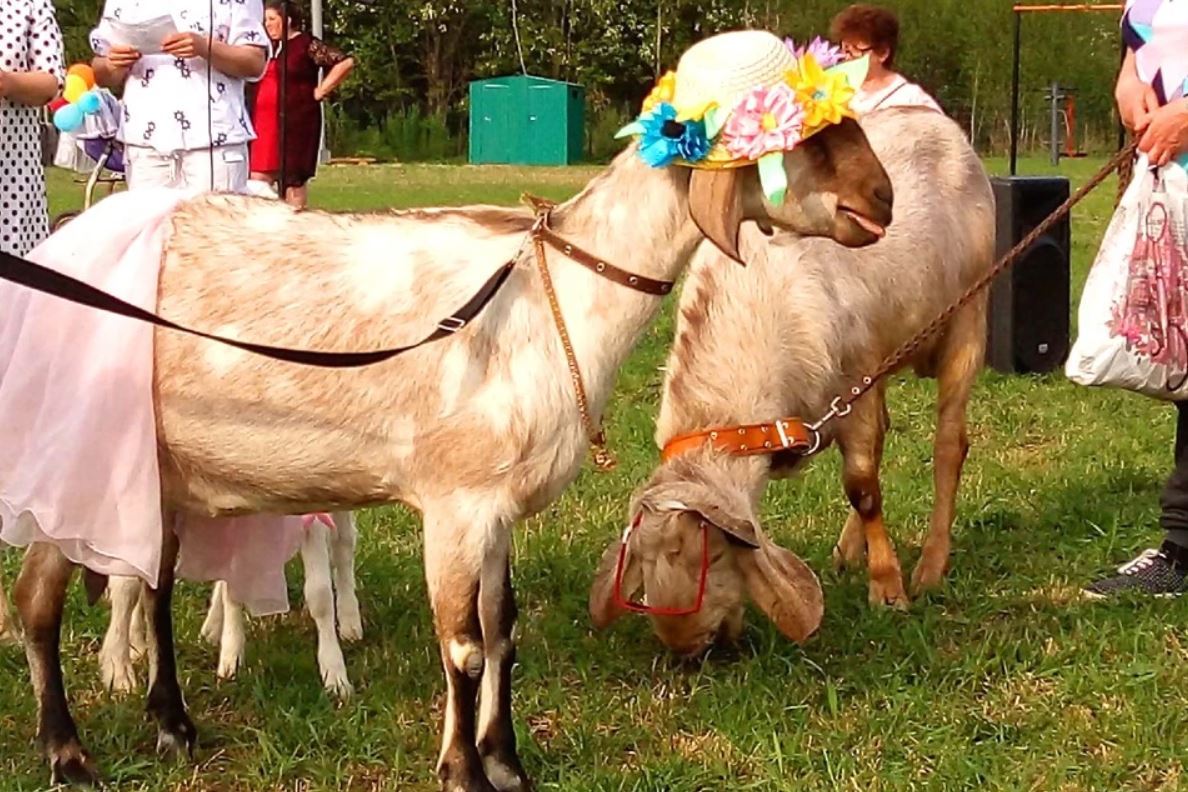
(825, 97)
(695, 112)
(663, 92)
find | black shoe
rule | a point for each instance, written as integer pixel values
(1158, 573)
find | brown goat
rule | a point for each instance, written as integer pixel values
(807, 319)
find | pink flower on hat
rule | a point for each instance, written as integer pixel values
(767, 120)
(826, 52)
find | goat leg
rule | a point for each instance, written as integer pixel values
(137, 640)
(212, 625)
(959, 360)
(175, 731)
(342, 546)
(453, 561)
(115, 656)
(7, 633)
(497, 614)
(319, 599)
(861, 441)
(232, 639)
(850, 550)
(40, 595)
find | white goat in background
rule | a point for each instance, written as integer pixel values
(328, 557)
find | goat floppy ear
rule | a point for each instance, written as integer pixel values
(716, 206)
(739, 531)
(721, 508)
(604, 610)
(784, 588)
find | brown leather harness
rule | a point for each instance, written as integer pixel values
(783, 434)
(541, 235)
(545, 233)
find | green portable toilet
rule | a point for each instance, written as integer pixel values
(526, 120)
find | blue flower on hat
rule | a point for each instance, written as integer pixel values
(663, 138)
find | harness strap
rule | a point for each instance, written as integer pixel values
(785, 434)
(542, 231)
(35, 276)
(640, 283)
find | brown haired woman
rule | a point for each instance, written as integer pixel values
(862, 29)
(305, 55)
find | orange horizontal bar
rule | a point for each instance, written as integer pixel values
(1020, 9)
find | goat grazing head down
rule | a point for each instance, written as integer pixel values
(693, 549)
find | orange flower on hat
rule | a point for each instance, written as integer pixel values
(663, 92)
(825, 97)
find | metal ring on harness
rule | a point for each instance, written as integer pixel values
(816, 446)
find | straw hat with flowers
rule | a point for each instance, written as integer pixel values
(744, 98)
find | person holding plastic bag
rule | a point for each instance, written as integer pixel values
(1133, 316)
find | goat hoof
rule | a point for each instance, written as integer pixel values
(889, 594)
(70, 764)
(229, 666)
(505, 773)
(927, 577)
(929, 574)
(845, 558)
(350, 625)
(176, 737)
(459, 773)
(117, 674)
(338, 686)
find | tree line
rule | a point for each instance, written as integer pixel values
(415, 59)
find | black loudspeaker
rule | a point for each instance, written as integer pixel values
(1028, 317)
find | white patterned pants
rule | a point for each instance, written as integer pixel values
(147, 167)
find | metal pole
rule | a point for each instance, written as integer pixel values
(1015, 94)
(1055, 143)
(284, 90)
(317, 29)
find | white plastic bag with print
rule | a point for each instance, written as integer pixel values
(1133, 318)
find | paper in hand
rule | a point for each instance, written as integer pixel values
(145, 37)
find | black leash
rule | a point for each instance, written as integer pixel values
(48, 281)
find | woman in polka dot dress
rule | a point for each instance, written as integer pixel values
(30, 76)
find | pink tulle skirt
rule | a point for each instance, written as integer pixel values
(78, 455)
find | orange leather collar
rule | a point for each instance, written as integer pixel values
(785, 434)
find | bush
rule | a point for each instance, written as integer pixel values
(601, 127)
(404, 135)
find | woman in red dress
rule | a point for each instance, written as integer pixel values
(305, 57)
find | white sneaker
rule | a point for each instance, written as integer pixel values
(261, 189)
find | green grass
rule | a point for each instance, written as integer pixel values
(1001, 681)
